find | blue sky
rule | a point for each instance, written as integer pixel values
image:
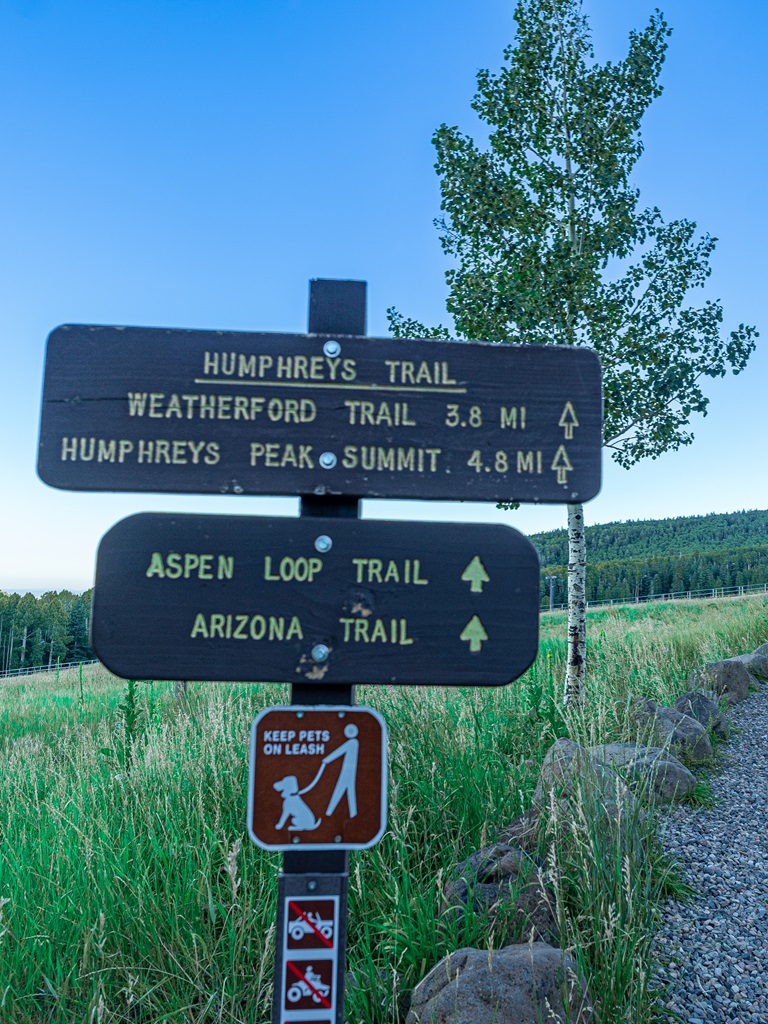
(195, 163)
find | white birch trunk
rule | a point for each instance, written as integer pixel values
(577, 609)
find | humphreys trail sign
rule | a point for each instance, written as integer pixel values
(313, 600)
(145, 409)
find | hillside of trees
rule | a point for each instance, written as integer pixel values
(44, 631)
(651, 538)
(626, 561)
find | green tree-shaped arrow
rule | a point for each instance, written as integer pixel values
(476, 575)
(474, 632)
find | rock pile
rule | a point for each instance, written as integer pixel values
(501, 881)
(514, 985)
(530, 979)
(673, 729)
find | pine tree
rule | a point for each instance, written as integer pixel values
(77, 628)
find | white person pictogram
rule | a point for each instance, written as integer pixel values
(347, 781)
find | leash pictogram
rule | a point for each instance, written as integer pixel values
(318, 778)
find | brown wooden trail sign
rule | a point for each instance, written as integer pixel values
(318, 780)
(332, 416)
(315, 601)
(221, 412)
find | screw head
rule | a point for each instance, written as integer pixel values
(332, 348)
(323, 543)
(337, 839)
(327, 460)
(320, 652)
(295, 839)
(312, 885)
(299, 714)
(237, 489)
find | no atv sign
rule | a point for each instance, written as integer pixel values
(318, 778)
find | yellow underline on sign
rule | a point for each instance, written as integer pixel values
(352, 387)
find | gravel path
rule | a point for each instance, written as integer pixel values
(719, 944)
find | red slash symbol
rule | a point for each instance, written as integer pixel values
(305, 987)
(297, 910)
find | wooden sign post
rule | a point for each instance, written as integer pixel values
(318, 782)
(338, 307)
(326, 600)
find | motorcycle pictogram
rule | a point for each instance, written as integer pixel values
(316, 987)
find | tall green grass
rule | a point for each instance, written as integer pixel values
(129, 891)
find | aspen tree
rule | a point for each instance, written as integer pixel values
(549, 245)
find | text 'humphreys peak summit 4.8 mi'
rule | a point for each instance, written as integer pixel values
(143, 409)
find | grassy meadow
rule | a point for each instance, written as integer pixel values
(130, 892)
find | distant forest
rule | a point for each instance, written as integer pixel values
(661, 556)
(651, 538)
(44, 631)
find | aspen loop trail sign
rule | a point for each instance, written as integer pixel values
(315, 601)
(217, 412)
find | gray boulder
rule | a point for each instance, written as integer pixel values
(573, 785)
(522, 984)
(654, 771)
(705, 709)
(763, 649)
(501, 881)
(564, 768)
(756, 663)
(729, 678)
(668, 727)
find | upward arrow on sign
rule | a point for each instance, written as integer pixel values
(561, 465)
(568, 421)
(474, 632)
(475, 575)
